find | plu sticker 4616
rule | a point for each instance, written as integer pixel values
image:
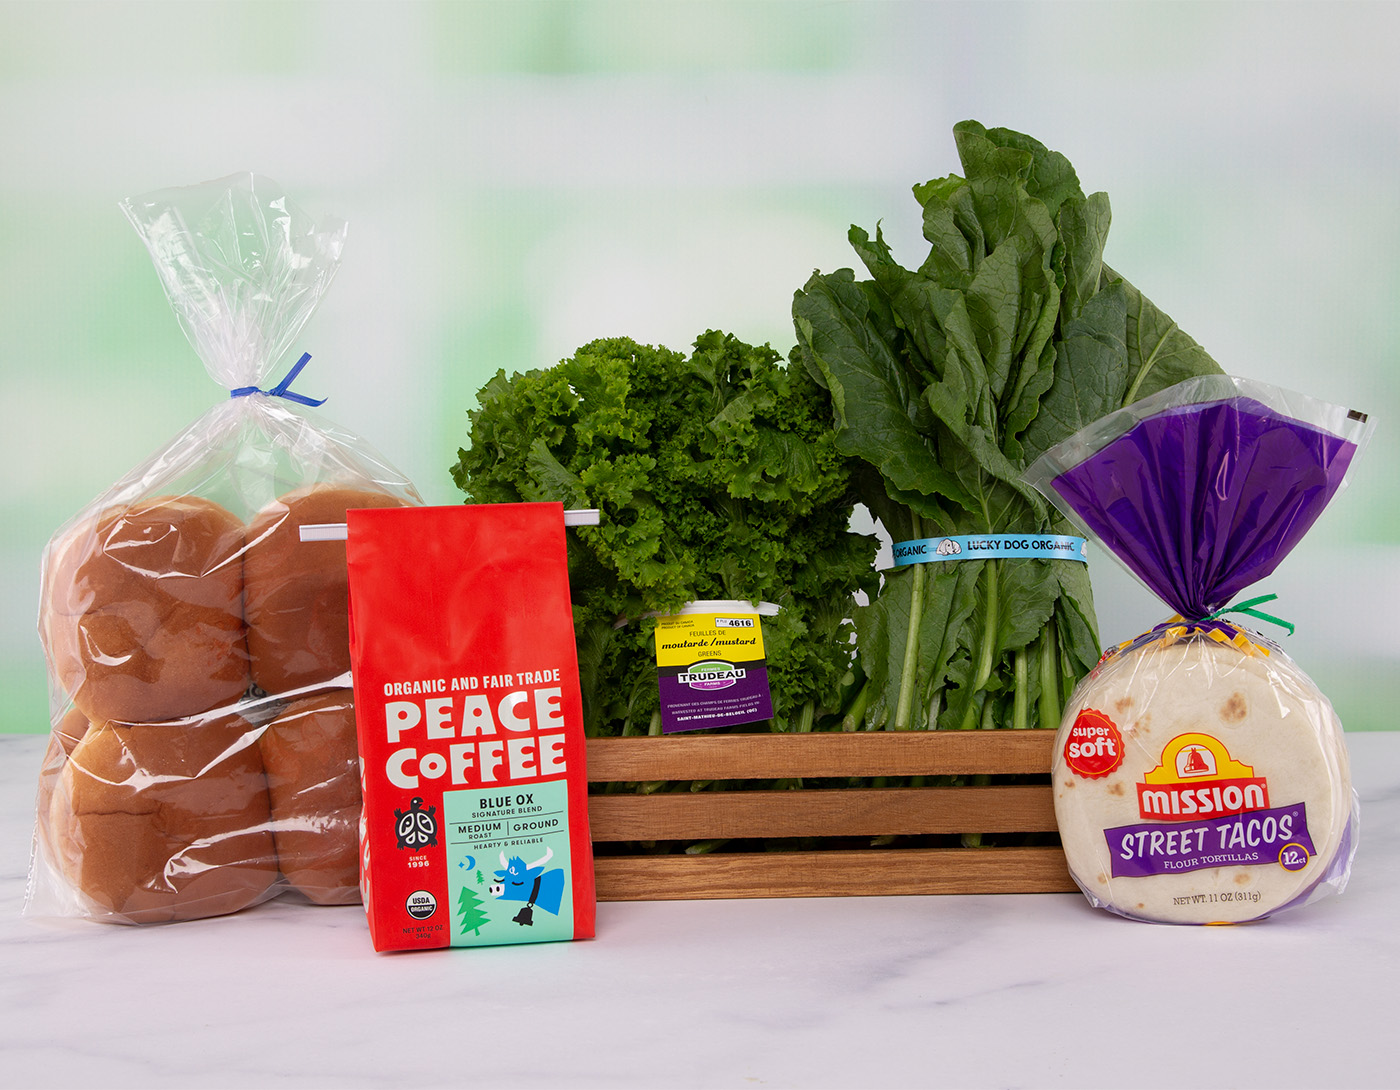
(711, 670)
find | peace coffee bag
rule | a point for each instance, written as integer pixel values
(474, 830)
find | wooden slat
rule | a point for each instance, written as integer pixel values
(842, 812)
(824, 812)
(833, 874)
(774, 756)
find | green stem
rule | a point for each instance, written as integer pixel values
(1050, 710)
(855, 714)
(846, 689)
(988, 648)
(653, 730)
(908, 678)
(935, 705)
(982, 779)
(1019, 701)
(989, 633)
(1131, 395)
(806, 717)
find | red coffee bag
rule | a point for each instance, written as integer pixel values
(470, 721)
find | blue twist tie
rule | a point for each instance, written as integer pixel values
(283, 388)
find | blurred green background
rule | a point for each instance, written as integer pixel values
(521, 178)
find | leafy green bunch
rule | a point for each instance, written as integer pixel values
(717, 476)
(946, 381)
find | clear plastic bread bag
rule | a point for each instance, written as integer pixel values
(1199, 775)
(202, 756)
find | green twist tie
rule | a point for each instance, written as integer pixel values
(1248, 608)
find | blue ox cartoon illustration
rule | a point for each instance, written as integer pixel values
(531, 883)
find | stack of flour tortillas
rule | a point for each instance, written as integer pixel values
(1232, 798)
(1199, 775)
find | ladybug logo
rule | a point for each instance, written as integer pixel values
(416, 828)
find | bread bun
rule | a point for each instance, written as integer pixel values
(142, 611)
(55, 758)
(297, 596)
(70, 730)
(155, 822)
(313, 778)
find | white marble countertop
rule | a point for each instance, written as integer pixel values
(994, 991)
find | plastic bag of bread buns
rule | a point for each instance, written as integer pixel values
(1199, 774)
(203, 754)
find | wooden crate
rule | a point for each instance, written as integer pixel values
(824, 812)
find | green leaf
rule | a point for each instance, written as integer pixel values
(1083, 227)
(882, 630)
(951, 228)
(1049, 178)
(1160, 354)
(870, 390)
(1075, 617)
(948, 379)
(1090, 374)
(549, 480)
(1028, 592)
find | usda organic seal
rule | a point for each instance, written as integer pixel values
(421, 904)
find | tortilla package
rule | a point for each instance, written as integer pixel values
(203, 750)
(1199, 775)
(475, 823)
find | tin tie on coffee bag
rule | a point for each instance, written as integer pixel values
(475, 823)
(1200, 776)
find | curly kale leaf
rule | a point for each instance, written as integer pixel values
(717, 476)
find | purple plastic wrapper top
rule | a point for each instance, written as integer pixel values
(1204, 488)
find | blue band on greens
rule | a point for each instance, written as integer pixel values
(933, 550)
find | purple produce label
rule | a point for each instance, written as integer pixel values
(1279, 836)
(711, 668)
(714, 694)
